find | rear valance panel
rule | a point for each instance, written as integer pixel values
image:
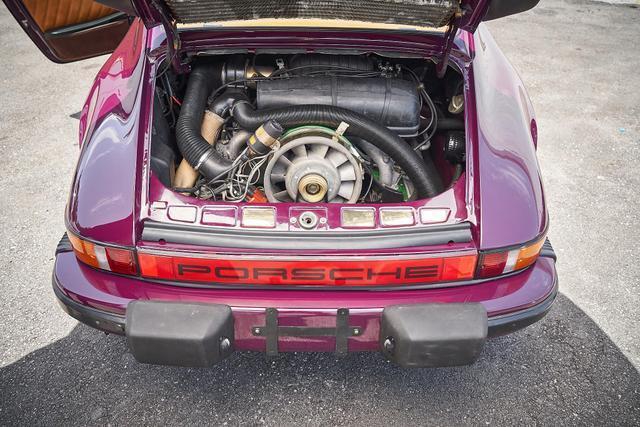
(419, 13)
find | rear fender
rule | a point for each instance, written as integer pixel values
(508, 184)
(103, 194)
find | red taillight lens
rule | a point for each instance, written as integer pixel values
(492, 264)
(495, 263)
(118, 260)
(328, 272)
(121, 260)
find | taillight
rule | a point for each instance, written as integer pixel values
(374, 271)
(495, 263)
(104, 257)
(357, 271)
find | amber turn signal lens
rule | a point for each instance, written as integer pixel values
(85, 251)
(528, 255)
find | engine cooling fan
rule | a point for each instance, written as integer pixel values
(313, 166)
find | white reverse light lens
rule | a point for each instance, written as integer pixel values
(101, 256)
(262, 217)
(394, 217)
(433, 215)
(358, 217)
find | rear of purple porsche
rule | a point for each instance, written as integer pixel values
(260, 176)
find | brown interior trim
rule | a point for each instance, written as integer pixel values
(83, 44)
(52, 14)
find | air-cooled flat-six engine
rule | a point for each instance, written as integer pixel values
(313, 128)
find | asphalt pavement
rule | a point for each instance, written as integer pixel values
(580, 61)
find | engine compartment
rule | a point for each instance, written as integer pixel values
(308, 128)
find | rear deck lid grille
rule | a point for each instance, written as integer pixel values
(419, 13)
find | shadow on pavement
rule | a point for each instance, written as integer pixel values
(562, 370)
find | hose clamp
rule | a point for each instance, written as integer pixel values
(203, 159)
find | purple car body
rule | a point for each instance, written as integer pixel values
(116, 198)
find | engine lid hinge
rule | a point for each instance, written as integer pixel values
(449, 37)
(174, 44)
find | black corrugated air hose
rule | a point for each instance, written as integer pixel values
(421, 171)
(194, 148)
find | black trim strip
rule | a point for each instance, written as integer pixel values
(518, 246)
(83, 26)
(73, 231)
(303, 331)
(306, 240)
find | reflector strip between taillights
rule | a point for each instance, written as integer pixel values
(313, 272)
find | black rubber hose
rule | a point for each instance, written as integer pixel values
(447, 123)
(457, 172)
(421, 172)
(194, 148)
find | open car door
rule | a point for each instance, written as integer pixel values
(70, 30)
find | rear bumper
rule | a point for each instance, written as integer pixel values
(113, 323)
(305, 320)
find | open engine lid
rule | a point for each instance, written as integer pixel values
(439, 17)
(313, 13)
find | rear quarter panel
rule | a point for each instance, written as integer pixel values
(102, 203)
(508, 189)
